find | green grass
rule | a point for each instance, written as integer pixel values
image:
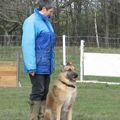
(97, 102)
(94, 101)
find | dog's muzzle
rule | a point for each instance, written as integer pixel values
(72, 76)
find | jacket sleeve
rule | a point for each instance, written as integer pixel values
(28, 46)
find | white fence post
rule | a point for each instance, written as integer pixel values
(96, 31)
(64, 50)
(81, 60)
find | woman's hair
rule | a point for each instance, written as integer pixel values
(46, 3)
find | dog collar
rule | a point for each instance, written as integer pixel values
(67, 84)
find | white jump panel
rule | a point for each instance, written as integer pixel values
(102, 64)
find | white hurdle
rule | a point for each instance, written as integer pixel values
(83, 72)
(85, 68)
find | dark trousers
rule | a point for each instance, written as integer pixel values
(40, 87)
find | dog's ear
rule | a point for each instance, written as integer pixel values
(62, 67)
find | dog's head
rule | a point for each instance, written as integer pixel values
(69, 72)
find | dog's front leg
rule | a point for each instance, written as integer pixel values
(69, 117)
(58, 112)
(66, 114)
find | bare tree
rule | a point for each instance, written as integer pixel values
(12, 13)
(72, 17)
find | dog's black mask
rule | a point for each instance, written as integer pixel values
(72, 75)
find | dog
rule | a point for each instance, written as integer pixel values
(62, 95)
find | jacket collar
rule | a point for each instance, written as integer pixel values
(36, 10)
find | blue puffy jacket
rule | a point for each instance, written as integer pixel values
(38, 44)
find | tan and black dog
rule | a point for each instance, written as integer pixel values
(62, 95)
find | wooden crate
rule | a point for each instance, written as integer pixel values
(8, 74)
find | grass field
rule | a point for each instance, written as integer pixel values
(94, 101)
